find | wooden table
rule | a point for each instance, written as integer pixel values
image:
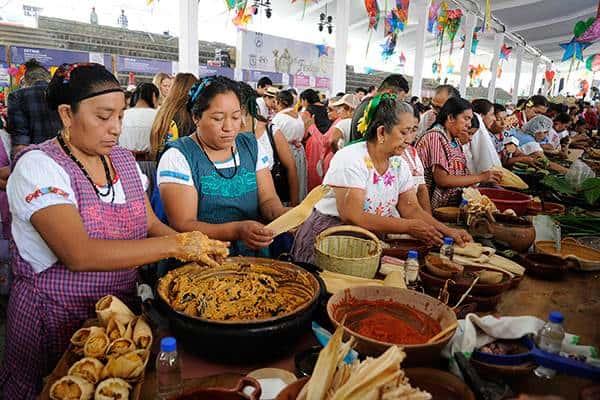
(577, 297)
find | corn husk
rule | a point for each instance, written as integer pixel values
(110, 306)
(335, 282)
(71, 388)
(81, 336)
(395, 279)
(510, 180)
(113, 389)
(129, 367)
(87, 368)
(506, 264)
(115, 329)
(490, 277)
(96, 345)
(119, 347)
(296, 216)
(142, 334)
(462, 260)
(474, 250)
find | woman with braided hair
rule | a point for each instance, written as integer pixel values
(81, 225)
(217, 180)
(372, 184)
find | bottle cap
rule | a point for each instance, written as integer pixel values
(556, 317)
(168, 344)
(413, 254)
(449, 241)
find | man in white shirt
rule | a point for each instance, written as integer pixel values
(442, 94)
(261, 87)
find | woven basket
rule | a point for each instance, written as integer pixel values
(348, 254)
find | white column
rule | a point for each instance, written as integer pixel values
(239, 43)
(534, 70)
(342, 22)
(470, 22)
(422, 9)
(188, 37)
(498, 42)
(515, 95)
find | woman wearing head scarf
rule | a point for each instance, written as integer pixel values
(532, 134)
(372, 184)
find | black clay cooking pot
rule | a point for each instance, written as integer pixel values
(243, 342)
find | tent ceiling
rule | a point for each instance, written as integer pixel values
(542, 23)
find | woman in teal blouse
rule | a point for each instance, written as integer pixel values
(221, 171)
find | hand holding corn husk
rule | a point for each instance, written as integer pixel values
(509, 179)
(196, 246)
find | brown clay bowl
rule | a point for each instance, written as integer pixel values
(545, 266)
(441, 385)
(494, 370)
(483, 303)
(399, 248)
(442, 268)
(447, 214)
(463, 281)
(548, 208)
(417, 354)
(508, 199)
(236, 393)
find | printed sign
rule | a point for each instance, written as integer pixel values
(301, 81)
(146, 66)
(54, 57)
(322, 83)
(261, 52)
(209, 71)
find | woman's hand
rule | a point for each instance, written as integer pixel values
(425, 232)
(490, 176)
(460, 236)
(254, 234)
(196, 246)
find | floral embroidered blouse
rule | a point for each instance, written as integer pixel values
(352, 167)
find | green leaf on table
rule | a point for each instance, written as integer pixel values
(559, 184)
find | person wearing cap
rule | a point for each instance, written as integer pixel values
(341, 129)
(268, 105)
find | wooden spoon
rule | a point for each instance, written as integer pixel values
(443, 333)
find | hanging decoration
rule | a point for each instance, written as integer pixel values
(505, 52)
(589, 31)
(242, 17)
(389, 46)
(230, 4)
(475, 72)
(450, 68)
(573, 50)
(17, 74)
(487, 20)
(593, 63)
(402, 59)
(323, 50)
(474, 42)
(435, 67)
(374, 14)
(449, 22)
(434, 13)
(397, 19)
(325, 20)
(264, 4)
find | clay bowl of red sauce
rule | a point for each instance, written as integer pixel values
(379, 317)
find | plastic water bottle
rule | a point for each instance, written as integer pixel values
(549, 339)
(411, 268)
(168, 369)
(447, 250)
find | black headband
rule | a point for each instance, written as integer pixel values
(94, 94)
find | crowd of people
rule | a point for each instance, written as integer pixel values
(228, 159)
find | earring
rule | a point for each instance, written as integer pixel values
(66, 134)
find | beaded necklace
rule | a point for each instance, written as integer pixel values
(222, 175)
(110, 189)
